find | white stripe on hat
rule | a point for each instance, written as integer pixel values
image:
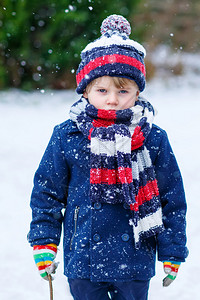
(115, 39)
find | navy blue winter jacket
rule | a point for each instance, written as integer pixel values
(98, 240)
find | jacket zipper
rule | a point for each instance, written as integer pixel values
(75, 225)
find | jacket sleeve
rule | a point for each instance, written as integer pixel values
(49, 194)
(172, 241)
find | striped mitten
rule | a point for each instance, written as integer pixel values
(44, 256)
(170, 268)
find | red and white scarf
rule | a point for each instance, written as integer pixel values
(121, 169)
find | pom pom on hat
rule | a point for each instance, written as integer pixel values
(116, 23)
(113, 54)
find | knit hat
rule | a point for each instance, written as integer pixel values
(113, 54)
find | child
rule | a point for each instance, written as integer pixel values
(114, 173)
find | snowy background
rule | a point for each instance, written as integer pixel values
(26, 124)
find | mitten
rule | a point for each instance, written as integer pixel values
(44, 256)
(170, 268)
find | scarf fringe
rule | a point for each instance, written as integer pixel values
(146, 227)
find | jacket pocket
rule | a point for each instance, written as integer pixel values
(76, 212)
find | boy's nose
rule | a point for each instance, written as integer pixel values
(112, 99)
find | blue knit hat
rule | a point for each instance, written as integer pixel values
(113, 54)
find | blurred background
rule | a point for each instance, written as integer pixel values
(41, 41)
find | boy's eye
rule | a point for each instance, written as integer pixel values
(102, 90)
(123, 91)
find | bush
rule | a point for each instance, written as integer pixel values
(41, 41)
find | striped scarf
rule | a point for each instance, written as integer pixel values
(121, 169)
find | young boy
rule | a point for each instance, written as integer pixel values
(115, 174)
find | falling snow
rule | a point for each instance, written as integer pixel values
(27, 121)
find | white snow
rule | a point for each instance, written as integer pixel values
(26, 124)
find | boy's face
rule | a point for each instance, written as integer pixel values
(103, 94)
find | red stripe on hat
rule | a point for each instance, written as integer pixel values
(137, 138)
(109, 59)
(145, 194)
(111, 176)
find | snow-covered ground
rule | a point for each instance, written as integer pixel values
(26, 124)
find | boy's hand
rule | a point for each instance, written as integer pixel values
(170, 268)
(44, 256)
